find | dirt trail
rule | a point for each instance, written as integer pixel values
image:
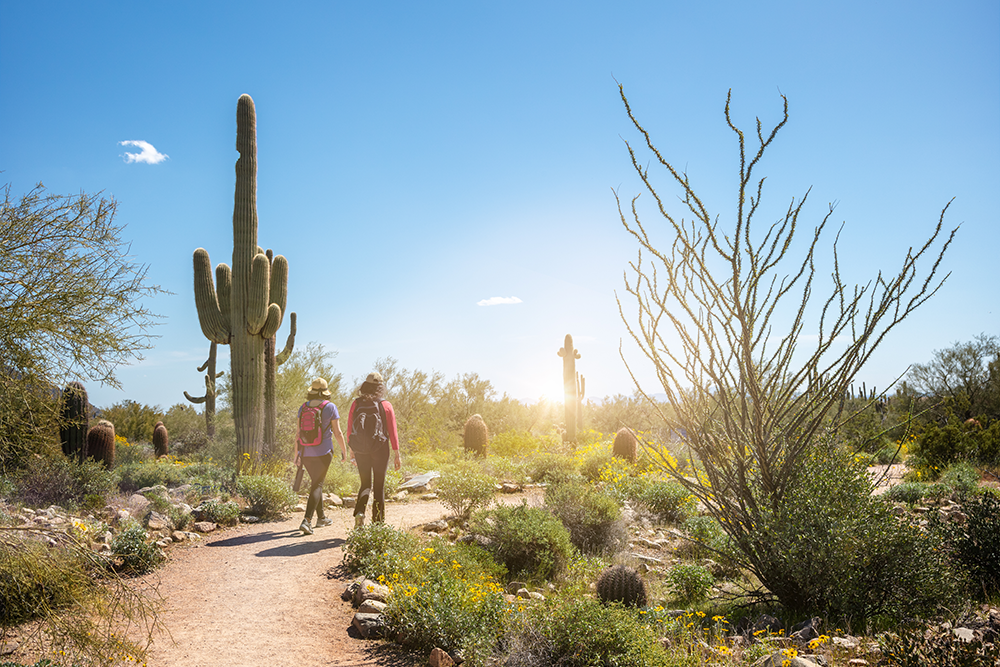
(260, 594)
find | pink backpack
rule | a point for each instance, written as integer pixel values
(311, 424)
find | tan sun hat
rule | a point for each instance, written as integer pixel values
(319, 386)
(375, 377)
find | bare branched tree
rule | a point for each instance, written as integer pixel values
(724, 313)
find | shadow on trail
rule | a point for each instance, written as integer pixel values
(241, 540)
(301, 548)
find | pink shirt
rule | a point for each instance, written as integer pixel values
(390, 423)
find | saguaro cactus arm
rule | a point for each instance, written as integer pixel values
(282, 357)
(215, 327)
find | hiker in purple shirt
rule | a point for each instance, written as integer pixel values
(316, 458)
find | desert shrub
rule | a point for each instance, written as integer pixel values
(464, 490)
(830, 547)
(266, 496)
(505, 469)
(690, 583)
(133, 553)
(223, 513)
(960, 478)
(548, 468)
(519, 444)
(619, 478)
(445, 598)
(593, 463)
(207, 479)
(59, 481)
(975, 543)
(708, 539)
(379, 550)
(528, 541)
(341, 478)
(581, 632)
(127, 453)
(908, 492)
(941, 445)
(140, 475)
(667, 500)
(34, 576)
(919, 647)
(592, 517)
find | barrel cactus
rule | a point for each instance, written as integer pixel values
(74, 421)
(623, 584)
(476, 436)
(572, 400)
(101, 443)
(244, 306)
(626, 445)
(161, 440)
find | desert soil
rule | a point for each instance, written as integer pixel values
(264, 594)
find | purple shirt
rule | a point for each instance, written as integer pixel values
(329, 414)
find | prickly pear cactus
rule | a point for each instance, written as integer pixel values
(626, 445)
(572, 402)
(161, 440)
(476, 437)
(246, 305)
(74, 421)
(621, 583)
(101, 443)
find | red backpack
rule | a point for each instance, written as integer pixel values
(311, 424)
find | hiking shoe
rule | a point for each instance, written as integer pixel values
(320, 523)
(359, 520)
(305, 528)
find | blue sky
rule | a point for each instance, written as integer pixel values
(416, 159)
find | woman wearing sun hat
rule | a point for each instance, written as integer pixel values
(317, 458)
(372, 459)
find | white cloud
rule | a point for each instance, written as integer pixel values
(498, 301)
(149, 154)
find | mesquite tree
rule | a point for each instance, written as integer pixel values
(246, 307)
(753, 360)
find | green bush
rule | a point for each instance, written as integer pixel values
(919, 647)
(528, 541)
(35, 577)
(709, 540)
(549, 468)
(908, 492)
(593, 464)
(379, 550)
(137, 476)
(59, 481)
(960, 478)
(581, 632)
(690, 583)
(829, 547)
(266, 497)
(667, 500)
(223, 513)
(464, 490)
(341, 478)
(592, 517)
(520, 444)
(942, 445)
(134, 554)
(975, 543)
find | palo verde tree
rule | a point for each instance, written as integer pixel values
(71, 306)
(723, 310)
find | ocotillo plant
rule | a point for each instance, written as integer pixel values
(209, 398)
(572, 402)
(271, 362)
(247, 306)
(74, 421)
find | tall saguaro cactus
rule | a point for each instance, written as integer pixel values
(572, 403)
(209, 398)
(272, 448)
(246, 307)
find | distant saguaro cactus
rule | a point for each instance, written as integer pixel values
(101, 443)
(476, 436)
(626, 445)
(246, 307)
(161, 440)
(209, 398)
(74, 420)
(621, 583)
(572, 402)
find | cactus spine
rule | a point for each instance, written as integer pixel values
(626, 445)
(73, 421)
(247, 306)
(621, 583)
(101, 443)
(572, 402)
(209, 398)
(161, 440)
(476, 436)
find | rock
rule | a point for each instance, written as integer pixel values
(204, 526)
(646, 543)
(806, 630)
(440, 658)
(535, 595)
(782, 660)
(514, 586)
(249, 518)
(370, 590)
(401, 495)
(857, 662)
(350, 590)
(647, 559)
(964, 635)
(849, 643)
(180, 492)
(301, 507)
(178, 536)
(438, 526)
(509, 487)
(332, 500)
(157, 521)
(372, 607)
(369, 625)
(422, 482)
(523, 593)
(164, 543)
(429, 496)
(348, 503)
